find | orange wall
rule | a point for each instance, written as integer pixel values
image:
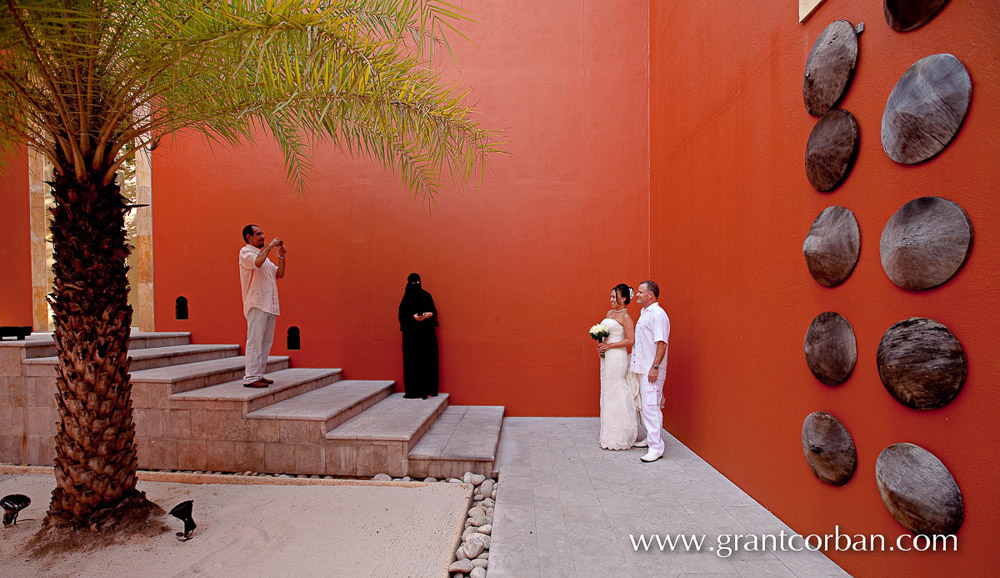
(15, 251)
(731, 207)
(519, 269)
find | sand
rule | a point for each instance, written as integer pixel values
(253, 526)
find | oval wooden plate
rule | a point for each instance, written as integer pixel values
(921, 363)
(925, 243)
(828, 448)
(926, 109)
(832, 246)
(918, 490)
(830, 67)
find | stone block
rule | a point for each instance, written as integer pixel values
(221, 456)
(45, 391)
(279, 458)
(341, 459)
(40, 421)
(149, 422)
(239, 429)
(199, 424)
(19, 392)
(4, 395)
(12, 420)
(178, 424)
(41, 450)
(396, 459)
(264, 430)
(297, 431)
(12, 449)
(191, 455)
(249, 456)
(309, 459)
(143, 454)
(41, 370)
(10, 360)
(163, 454)
(372, 459)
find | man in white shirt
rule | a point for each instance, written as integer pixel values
(258, 278)
(649, 363)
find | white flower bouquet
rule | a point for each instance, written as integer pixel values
(599, 332)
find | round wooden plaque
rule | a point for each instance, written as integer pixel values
(830, 67)
(921, 363)
(831, 348)
(926, 109)
(906, 15)
(918, 490)
(828, 448)
(925, 243)
(832, 246)
(831, 150)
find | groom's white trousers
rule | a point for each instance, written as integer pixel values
(652, 415)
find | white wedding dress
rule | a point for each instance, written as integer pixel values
(618, 393)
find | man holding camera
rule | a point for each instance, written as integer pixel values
(258, 278)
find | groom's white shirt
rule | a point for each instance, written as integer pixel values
(653, 326)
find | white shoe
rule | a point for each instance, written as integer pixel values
(640, 444)
(650, 457)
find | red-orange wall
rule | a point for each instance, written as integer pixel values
(731, 207)
(15, 250)
(519, 269)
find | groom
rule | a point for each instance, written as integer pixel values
(649, 363)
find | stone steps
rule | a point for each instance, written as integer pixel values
(288, 384)
(39, 345)
(147, 358)
(190, 376)
(379, 439)
(332, 405)
(192, 413)
(463, 439)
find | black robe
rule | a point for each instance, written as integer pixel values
(420, 346)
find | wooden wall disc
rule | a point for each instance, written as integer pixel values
(918, 490)
(831, 348)
(832, 246)
(925, 243)
(921, 363)
(926, 109)
(831, 150)
(906, 15)
(830, 67)
(828, 448)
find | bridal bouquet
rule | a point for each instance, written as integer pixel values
(598, 333)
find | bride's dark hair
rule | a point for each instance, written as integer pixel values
(624, 291)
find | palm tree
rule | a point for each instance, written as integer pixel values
(88, 83)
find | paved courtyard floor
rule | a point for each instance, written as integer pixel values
(565, 507)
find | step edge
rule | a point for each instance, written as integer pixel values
(343, 409)
(180, 396)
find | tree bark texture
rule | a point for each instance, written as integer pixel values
(95, 462)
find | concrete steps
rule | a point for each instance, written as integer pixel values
(332, 405)
(147, 357)
(379, 439)
(190, 376)
(463, 439)
(288, 383)
(192, 412)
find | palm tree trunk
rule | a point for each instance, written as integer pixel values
(95, 464)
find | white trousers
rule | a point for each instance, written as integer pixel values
(652, 415)
(260, 335)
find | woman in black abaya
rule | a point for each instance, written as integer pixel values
(417, 320)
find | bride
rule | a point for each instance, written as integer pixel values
(618, 392)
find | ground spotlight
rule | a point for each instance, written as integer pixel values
(182, 512)
(13, 504)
